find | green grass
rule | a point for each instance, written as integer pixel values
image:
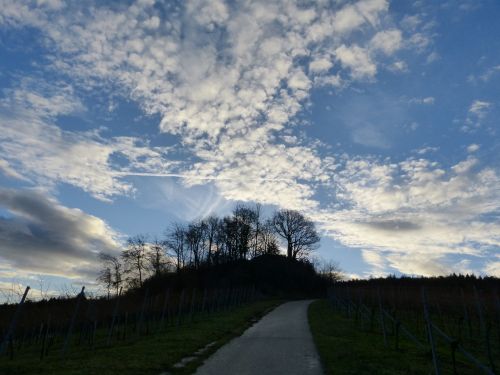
(151, 354)
(345, 349)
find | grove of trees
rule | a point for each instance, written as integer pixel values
(244, 234)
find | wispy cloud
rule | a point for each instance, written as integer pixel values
(477, 112)
(428, 100)
(34, 148)
(479, 108)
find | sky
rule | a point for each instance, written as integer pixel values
(377, 119)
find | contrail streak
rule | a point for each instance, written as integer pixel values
(210, 178)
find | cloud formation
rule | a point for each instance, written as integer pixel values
(230, 78)
(418, 214)
(235, 107)
(41, 236)
(33, 147)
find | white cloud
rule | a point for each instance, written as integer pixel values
(8, 171)
(477, 112)
(370, 135)
(399, 66)
(411, 23)
(429, 100)
(387, 41)
(416, 214)
(229, 81)
(490, 73)
(492, 268)
(473, 147)
(33, 148)
(433, 56)
(207, 13)
(358, 60)
(320, 65)
(480, 108)
(419, 41)
(222, 92)
(426, 150)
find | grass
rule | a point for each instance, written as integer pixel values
(151, 354)
(345, 349)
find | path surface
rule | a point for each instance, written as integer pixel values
(280, 343)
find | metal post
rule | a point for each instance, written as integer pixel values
(204, 302)
(141, 316)
(115, 311)
(45, 335)
(381, 313)
(13, 322)
(165, 306)
(485, 332)
(181, 303)
(429, 332)
(193, 302)
(72, 324)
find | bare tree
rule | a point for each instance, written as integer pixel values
(328, 269)
(212, 224)
(268, 243)
(106, 279)
(175, 239)
(156, 257)
(256, 229)
(195, 240)
(114, 265)
(134, 258)
(244, 217)
(298, 232)
(44, 288)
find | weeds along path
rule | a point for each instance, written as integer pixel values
(280, 343)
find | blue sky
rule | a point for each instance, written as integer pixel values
(378, 119)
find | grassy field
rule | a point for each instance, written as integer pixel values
(344, 349)
(151, 354)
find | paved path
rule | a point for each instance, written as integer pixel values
(280, 343)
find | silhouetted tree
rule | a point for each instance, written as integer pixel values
(111, 273)
(267, 239)
(195, 241)
(329, 269)
(175, 239)
(134, 258)
(298, 232)
(156, 257)
(105, 279)
(212, 225)
(244, 218)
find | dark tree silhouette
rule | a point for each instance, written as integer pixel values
(194, 237)
(134, 258)
(156, 257)
(111, 275)
(268, 243)
(257, 231)
(298, 232)
(212, 224)
(244, 218)
(106, 279)
(175, 239)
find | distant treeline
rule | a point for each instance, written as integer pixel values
(449, 281)
(243, 235)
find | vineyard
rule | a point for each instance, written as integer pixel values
(455, 328)
(57, 329)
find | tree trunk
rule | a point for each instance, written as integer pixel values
(289, 249)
